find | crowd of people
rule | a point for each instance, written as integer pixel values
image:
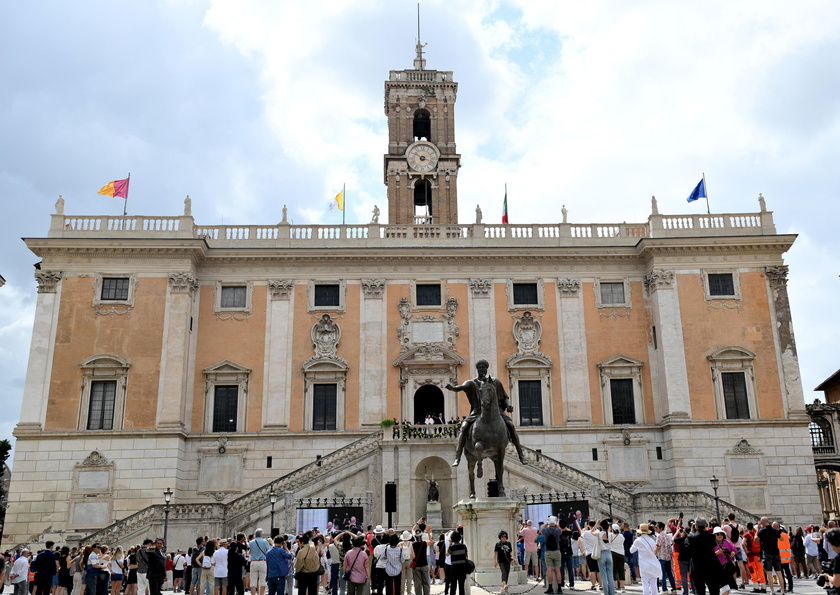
(694, 556)
(340, 562)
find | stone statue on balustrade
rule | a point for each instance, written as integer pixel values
(486, 431)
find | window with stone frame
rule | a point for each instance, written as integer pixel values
(324, 406)
(104, 381)
(327, 295)
(612, 293)
(622, 397)
(530, 403)
(226, 397)
(733, 380)
(233, 298)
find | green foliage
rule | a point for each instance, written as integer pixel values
(386, 423)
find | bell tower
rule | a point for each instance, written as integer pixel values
(421, 166)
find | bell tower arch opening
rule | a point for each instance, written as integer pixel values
(422, 125)
(423, 201)
(428, 400)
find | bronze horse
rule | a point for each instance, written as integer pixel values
(488, 438)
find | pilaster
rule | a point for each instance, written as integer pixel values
(278, 361)
(39, 369)
(482, 308)
(175, 352)
(792, 395)
(574, 381)
(373, 366)
(668, 372)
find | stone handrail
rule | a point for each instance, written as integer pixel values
(258, 498)
(690, 501)
(115, 532)
(373, 235)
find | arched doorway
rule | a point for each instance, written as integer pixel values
(428, 400)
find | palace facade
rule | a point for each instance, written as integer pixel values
(240, 364)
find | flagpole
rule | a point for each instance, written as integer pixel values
(706, 188)
(344, 203)
(125, 202)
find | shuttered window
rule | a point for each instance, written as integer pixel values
(324, 406)
(103, 394)
(530, 403)
(735, 395)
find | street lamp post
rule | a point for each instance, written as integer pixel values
(609, 499)
(832, 494)
(715, 481)
(167, 496)
(272, 497)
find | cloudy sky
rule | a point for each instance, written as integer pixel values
(247, 105)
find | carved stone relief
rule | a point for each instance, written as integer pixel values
(47, 281)
(659, 279)
(373, 288)
(568, 287)
(481, 287)
(527, 331)
(280, 289)
(325, 336)
(777, 275)
(182, 283)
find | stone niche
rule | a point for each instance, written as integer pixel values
(746, 477)
(627, 457)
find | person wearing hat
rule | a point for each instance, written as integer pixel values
(419, 556)
(406, 539)
(726, 551)
(649, 568)
(551, 539)
(379, 544)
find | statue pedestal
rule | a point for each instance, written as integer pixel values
(482, 519)
(434, 516)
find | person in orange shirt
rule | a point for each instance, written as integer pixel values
(752, 547)
(785, 555)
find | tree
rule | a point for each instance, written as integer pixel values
(5, 449)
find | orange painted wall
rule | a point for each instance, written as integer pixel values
(462, 319)
(137, 337)
(505, 343)
(550, 345)
(350, 349)
(240, 341)
(607, 337)
(706, 329)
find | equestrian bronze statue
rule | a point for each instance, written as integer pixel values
(486, 431)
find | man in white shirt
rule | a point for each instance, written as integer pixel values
(20, 573)
(220, 568)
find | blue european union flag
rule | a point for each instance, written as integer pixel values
(698, 192)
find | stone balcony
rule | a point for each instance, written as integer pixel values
(374, 235)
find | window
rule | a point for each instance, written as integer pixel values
(225, 408)
(621, 390)
(428, 294)
(733, 382)
(422, 125)
(231, 300)
(525, 294)
(324, 406)
(104, 380)
(234, 296)
(612, 293)
(115, 288)
(103, 394)
(326, 295)
(721, 284)
(735, 395)
(621, 397)
(530, 403)
(821, 438)
(225, 397)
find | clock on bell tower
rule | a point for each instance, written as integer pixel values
(421, 166)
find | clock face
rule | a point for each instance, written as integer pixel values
(422, 157)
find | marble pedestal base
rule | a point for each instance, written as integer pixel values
(434, 516)
(482, 519)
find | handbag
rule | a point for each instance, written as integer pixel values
(596, 551)
(470, 566)
(347, 572)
